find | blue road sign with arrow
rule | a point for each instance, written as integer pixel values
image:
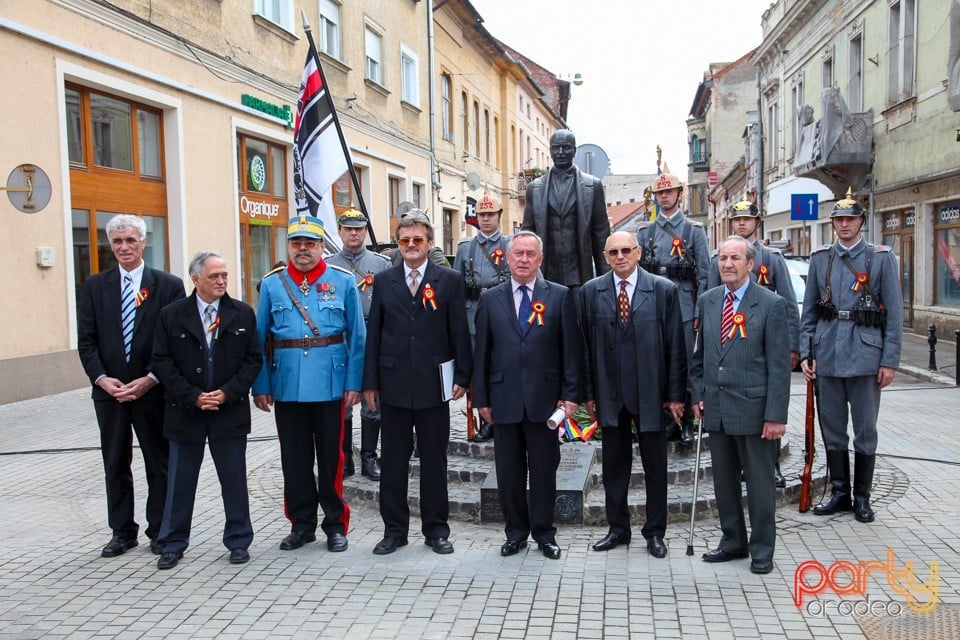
(804, 206)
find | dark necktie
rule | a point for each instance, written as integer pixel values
(623, 304)
(726, 319)
(128, 311)
(524, 314)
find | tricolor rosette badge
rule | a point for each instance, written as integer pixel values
(677, 248)
(860, 281)
(429, 297)
(537, 311)
(739, 326)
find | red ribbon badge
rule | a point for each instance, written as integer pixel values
(677, 249)
(497, 255)
(366, 281)
(861, 280)
(215, 327)
(762, 278)
(537, 315)
(739, 324)
(429, 296)
(142, 296)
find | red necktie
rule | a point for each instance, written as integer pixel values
(726, 319)
(623, 303)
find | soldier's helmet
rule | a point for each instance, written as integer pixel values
(352, 218)
(666, 181)
(848, 207)
(488, 205)
(745, 209)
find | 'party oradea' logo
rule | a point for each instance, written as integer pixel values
(848, 578)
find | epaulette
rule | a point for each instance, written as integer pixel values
(464, 241)
(380, 255)
(274, 270)
(774, 250)
(339, 268)
(714, 253)
(643, 224)
(696, 223)
(823, 247)
(883, 247)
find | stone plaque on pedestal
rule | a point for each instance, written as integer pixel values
(572, 475)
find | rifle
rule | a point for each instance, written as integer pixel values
(471, 424)
(809, 439)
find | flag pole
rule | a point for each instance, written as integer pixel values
(336, 122)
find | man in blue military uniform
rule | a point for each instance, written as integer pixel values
(676, 248)
(482, 262)
(850, 335)
(770, 271)
(310, 320)
(363, 264)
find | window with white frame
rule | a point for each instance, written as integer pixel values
(773, 134)
(796, 104)
(416, 194)
(330, 28)
(279, 12)
(446, 105)
(409, 76)
(373, 46)
(901, 50)
(827, 72)
(855, 70)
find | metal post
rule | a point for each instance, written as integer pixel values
(932, 341)
(956, 361)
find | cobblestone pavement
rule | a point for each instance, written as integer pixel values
(53, 582)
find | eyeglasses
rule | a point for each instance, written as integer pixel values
(304, 244)
(623, 251)
(404, 242)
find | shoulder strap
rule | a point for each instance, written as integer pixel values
(299, 305)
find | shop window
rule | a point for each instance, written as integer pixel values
(946, 233)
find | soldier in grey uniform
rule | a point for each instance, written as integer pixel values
(770, 271)
(482, 262)
(850, 334)
(363, 264)
(676, 248)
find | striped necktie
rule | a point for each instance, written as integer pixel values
(128, 310)
(726, 319)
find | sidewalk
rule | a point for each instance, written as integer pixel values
(53, 583)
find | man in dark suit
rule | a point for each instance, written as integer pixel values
(417, 322)
(116, 319)
(740, 381)
(207, 354)
(636, 366)
(567, 209)
(526, 365)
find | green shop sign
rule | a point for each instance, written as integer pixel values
(284, 112)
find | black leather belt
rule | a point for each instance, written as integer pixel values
(307, 343)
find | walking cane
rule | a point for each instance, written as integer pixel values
(696, 478)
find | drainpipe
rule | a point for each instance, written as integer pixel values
(434, 180)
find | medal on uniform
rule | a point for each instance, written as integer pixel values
(677, 249)
(365, 281)
(305, 285)
(860, 281)
(762, 278)
(739, 324)
(497, 255)
(141, 296)
(429, 297)
(326, 290)
(537, 313)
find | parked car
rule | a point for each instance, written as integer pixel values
(798, 268)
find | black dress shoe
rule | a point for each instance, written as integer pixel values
(686, 434)
(761, 566)
(778, 479)
(169, 559)
(550, 550)
(156, 548)
(118, 546)
(239, 556)
(673, 432)
(721, 555)
(656, 547)
(336, 542)
(388, 545)
(348, 468)
(369, 466)
(296, 540)
(484, 434)
(440, 545)
(611, 541)
(512, 547)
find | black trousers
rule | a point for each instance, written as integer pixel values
(617, 458)
(312, 432)
(230, 458)
(520, 448)
(396, 446)
(116, 444)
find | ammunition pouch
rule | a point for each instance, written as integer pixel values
(826, 311)
(680, 271)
